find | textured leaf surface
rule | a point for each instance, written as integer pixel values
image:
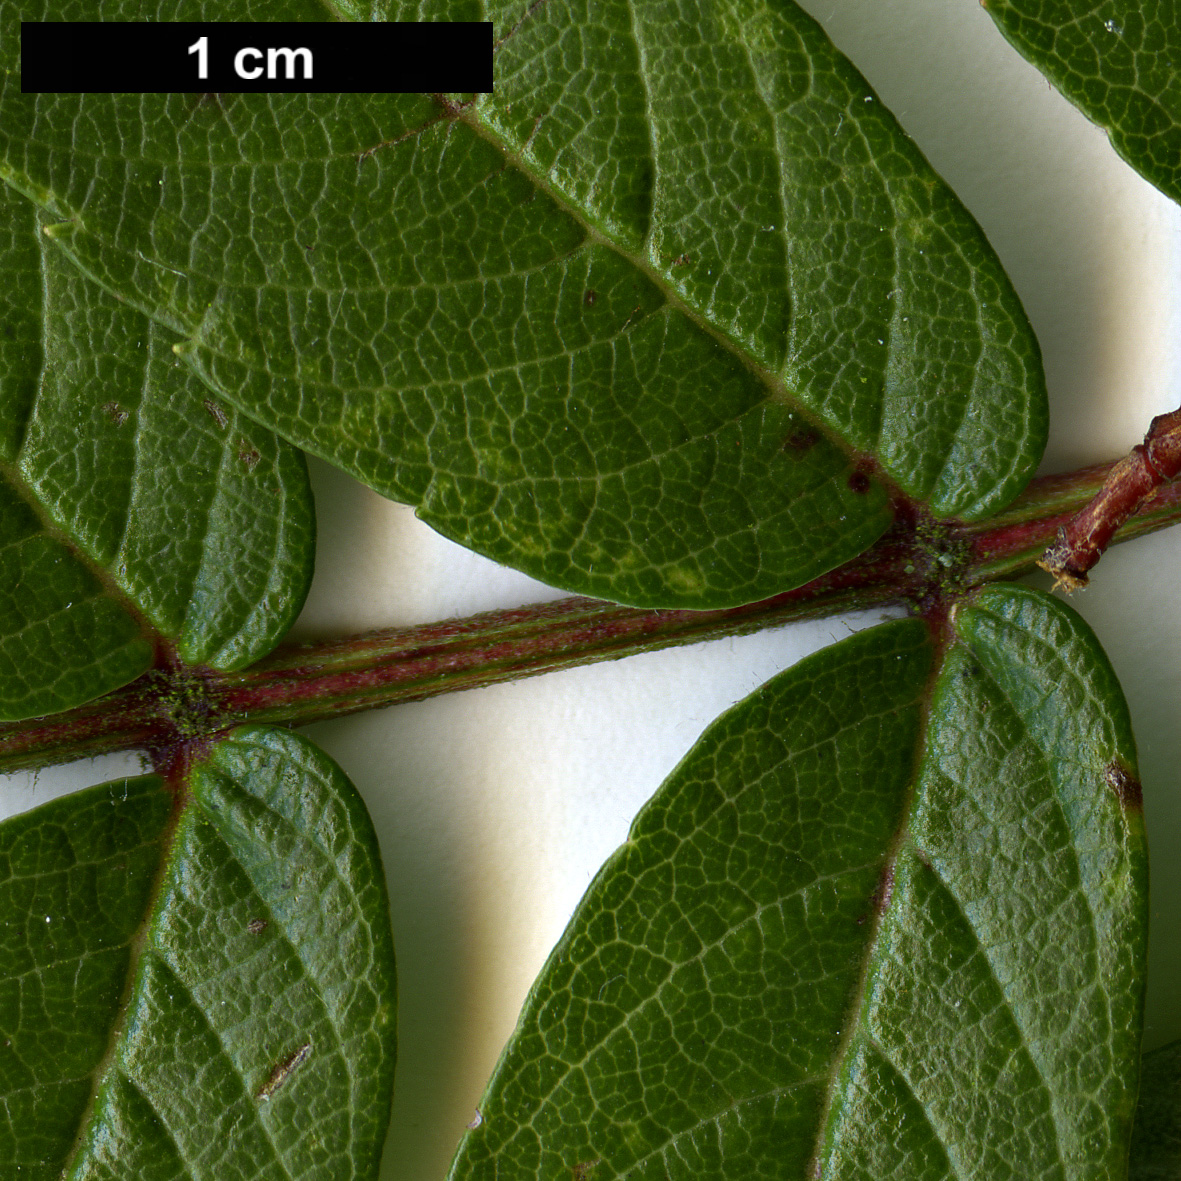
(1120, 62)
(587, 325)
(63, 637)
(132, 503)
(76, 879)
(216, 1004)
(873, 926)
(1156, 1142)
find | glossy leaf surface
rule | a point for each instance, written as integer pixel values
(1156, 1142)
(879, 923)
(133, 504)
(1119, 61)
(592, 325)
(201, 994)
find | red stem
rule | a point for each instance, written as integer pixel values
(920, 563)
(1129, 485)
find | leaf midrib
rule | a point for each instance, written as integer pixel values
(11, 474)
(776, 388)
(851, 1021)
(17, 482)
(136, 950)
(853, 1024)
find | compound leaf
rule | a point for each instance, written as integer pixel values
(133, 505)
(665, 319)
(197, 986)
(1119, 61)
(882, 921)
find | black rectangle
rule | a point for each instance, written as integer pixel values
(158, 57)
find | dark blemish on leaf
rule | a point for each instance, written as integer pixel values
(115, 413)
(591, 298)
(635, 312)
(1126, 787)
(885, 890)
(215, 412)
(256, 926)
(681, 260)
(969, 671)
(283, 1071)
(452, 108)
(879, 900)
(582, 1171)
(859, 482)
(801, 440)
(247, 454)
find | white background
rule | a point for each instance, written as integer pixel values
(495, 807)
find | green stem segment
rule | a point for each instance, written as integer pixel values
(919, 564)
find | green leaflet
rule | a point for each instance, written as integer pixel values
(1156, 1142)
(588, 325)
(207, 994)
(873, 926)
(1119, 61)
(63, 639)
(131, 502)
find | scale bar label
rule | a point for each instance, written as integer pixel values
(158, 57)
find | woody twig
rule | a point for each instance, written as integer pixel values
(1130, 486)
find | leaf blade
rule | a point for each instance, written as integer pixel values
(80, 871)
(1117, 62)
(1035, 873)
(883, 1027)
(834, 258)
(256, 1037)
(137, 507)
(63, 639)
(515, 360)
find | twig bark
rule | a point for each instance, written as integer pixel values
(921, 564)
(1130, 485)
